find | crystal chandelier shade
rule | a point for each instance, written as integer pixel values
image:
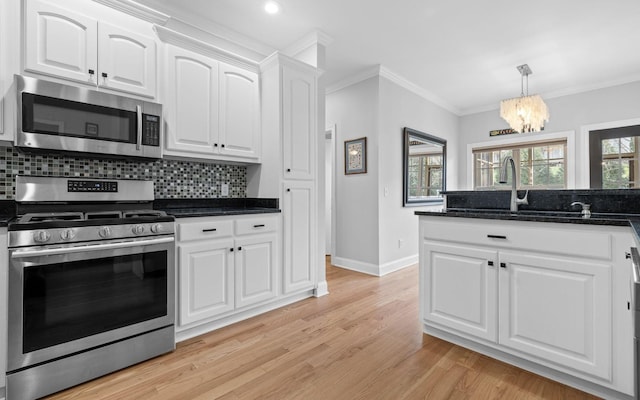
(525, 113)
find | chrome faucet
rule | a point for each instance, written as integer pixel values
(586, 208)
(515, 201)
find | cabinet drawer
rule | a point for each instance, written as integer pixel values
(204, 230)
(256, 225)
(565, 239)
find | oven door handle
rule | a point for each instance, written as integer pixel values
(84, 248)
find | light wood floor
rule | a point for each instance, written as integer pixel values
(362, 341)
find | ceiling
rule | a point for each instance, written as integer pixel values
(463, 53)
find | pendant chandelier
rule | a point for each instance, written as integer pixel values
(525, 113)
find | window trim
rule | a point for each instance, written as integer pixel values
(526, 138)
(584, 180)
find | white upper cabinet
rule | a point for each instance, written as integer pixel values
(239, 112)
(69, 45)
(60, 42)
(126, 61)
(191, 103)
(299, 123)
(212, 108)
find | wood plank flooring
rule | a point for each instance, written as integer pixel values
(362, 341)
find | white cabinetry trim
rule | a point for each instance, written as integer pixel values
(178, 39)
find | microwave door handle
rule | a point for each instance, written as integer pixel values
(139, 124)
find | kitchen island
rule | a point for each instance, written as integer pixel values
(548, 291)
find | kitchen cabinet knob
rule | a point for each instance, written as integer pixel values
(91, 72)
(288, 190)
(104, 75)
(490, 263)
(627, 255)
(231, 249)
(288, 169)
(239, 248)
(215, 145)
(503, 265)
(222, 145)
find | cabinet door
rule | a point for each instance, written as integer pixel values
(256, 272)
(206, 279)
(191, 102)
(299, 236)
(60, 42)
(298, 123)
(239, 112)
(557, 310)
(127, 61)
(459, 288)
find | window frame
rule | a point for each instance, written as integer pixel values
(530, 163)
(522, 139)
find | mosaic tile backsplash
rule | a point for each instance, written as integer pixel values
(173, 179)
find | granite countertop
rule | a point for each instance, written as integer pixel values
(537, 216)
(186, 208)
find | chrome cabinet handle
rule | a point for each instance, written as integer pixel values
(209, 230)
(496, 236)
(259, 226)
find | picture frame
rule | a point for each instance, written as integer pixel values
(355, 156)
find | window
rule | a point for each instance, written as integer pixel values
(613, 157)
(539, 165)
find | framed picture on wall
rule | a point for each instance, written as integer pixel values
(355, 156)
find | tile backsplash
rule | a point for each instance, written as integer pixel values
(173, 179)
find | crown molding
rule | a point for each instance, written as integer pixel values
(277, 58)
(412, 87)
(379, 70)
(311, 39)
(179, 39)
(137, 10)
(353, 79)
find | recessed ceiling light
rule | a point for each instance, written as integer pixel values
(271, 7)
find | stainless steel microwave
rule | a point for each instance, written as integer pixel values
(53, 116)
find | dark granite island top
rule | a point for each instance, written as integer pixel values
(187, 208)
(619, 207)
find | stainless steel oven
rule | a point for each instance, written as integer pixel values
(54, 116)
(90, 291)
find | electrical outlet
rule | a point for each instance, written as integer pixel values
(224, 189)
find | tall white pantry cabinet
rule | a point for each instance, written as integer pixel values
(289, 127)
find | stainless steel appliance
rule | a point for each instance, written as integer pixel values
(91, 282)
(60, 117)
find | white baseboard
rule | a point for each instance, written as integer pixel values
(373, 269)
(396, 265)
(322, 289)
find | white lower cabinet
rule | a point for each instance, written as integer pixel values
(225, 265)
(563, 306)
(206, 279)
(461, 282)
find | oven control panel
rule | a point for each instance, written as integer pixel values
(92, 186)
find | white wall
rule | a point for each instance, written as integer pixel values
(567, 113)
(369, 224)
(354, 111)
(402, 108)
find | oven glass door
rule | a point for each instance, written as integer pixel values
(84, 296)
(54, 116)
